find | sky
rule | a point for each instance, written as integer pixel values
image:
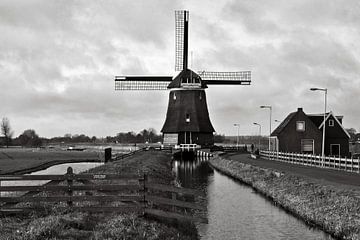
(58, 59)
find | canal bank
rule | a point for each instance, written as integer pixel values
(334, 210)
(68, 224)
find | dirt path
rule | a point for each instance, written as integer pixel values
(325, 176)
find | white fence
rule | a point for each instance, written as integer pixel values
(345, 164)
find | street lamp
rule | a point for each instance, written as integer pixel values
(259, 133)
(323, 137)
(270, 108)
(237, 138)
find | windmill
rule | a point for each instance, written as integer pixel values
(187, 119)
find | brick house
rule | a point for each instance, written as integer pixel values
(302, 133)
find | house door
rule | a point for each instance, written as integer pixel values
(335, 150)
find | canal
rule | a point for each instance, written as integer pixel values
(235, 211)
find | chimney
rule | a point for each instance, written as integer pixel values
(300, 109)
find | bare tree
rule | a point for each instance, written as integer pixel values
(6, 131)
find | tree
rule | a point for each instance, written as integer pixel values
(29, 138)
(6, 131)
(352, 133)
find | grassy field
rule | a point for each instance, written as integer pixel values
(15, 159)
(60, 224)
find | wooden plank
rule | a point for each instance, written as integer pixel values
(112, 187)
(96, 209)
(174, 202)
(121, 198)
(171, 215)
(75, 177)
(118, 209)
(168, 188)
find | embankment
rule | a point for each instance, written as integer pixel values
(332, 209)
(60, 224)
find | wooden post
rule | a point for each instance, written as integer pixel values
(345, 163)
(69, 173)
(145, 191)
(358, 163)
(173, 197)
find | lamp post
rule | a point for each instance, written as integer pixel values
(259, 133)
(323, 137)
(237, 138)
(270, 108)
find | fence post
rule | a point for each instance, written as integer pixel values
(145, 191)
(69, 174)
(345, 163)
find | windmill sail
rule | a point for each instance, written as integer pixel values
(142, 82)
(181, 40)
(226, 78)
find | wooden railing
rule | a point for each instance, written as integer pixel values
(99, 193)
(125, 155)
(165, 201)
(345, 164)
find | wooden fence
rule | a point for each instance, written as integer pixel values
(345, 164)
(125, 155)
(99, 193)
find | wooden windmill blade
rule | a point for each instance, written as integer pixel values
(226, 78)
(181, 40)
(142, 82)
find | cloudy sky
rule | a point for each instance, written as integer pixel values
(58, 60)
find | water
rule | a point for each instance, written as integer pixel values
(235, 211)
(56, 169)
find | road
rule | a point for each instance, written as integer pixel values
(325, 176)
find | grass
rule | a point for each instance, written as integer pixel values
(335, 210)
(16, 159)
(60, 224)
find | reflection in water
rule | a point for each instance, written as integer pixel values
(192, 174)
(235, 211)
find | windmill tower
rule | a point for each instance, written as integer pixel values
(187, 118)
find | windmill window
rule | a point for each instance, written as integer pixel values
(174, 96)
(300, 126)
(200, 96)
(187, 119)
(331, 123)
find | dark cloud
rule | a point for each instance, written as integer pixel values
(58, 60)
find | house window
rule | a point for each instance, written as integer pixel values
(174, 96)
(187, 119)
(307, 146)
(300, 126)
(200, 96)
(331, 123)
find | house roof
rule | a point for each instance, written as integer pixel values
(283, 124)
(317, 119)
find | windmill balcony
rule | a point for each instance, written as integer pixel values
(187, 147)
(191, 85)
